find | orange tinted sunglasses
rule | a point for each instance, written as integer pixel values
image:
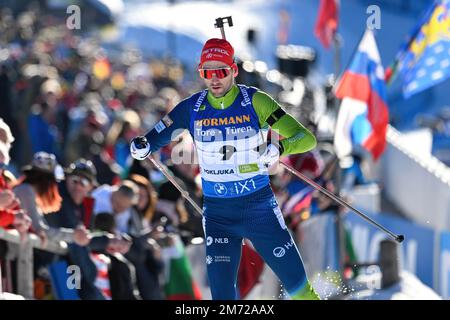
(220, 73)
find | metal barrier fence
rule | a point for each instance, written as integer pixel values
(416, 182)
(21, 248)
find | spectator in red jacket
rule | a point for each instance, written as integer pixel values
(10, 213)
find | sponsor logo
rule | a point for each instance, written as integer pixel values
(215, 50)
(222, 121)
(273, 202)
(167, 121)
(210, 259)
(247, 131)
(297, 137)
(246, 100)
(218, 172)
(279, 252)
(244, 186)
(200, 100)
(221, 240)
(220, 189)
(160, 126)
(245, 103)
(279, 216)
(289, 244)
(210, 240)
(222, 259)
(246, 168)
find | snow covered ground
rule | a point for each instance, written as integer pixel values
(408, 288)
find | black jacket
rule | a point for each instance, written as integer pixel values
(71, 215)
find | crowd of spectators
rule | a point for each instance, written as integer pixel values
(67, 114)
(68, 111)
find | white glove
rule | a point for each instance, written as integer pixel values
(270, 156)
(140, 148)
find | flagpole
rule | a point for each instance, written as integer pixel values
(340, 230)
(339, 226)
(337, 54)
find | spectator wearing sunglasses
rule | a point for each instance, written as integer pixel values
(77, 213)
(38, 194)
(229, 123)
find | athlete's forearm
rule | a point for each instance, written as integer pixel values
(171, 124)
(298, 139)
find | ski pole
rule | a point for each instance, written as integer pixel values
(169, 177)
(399, 238)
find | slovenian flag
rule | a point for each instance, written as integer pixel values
(363, 114)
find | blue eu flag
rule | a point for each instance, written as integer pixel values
(425, 59)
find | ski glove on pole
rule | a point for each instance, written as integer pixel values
(270, 156)
(140, 148)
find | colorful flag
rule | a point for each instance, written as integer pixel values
(250, 269)
(363, 114)
(327, 22)
(424, 60)
(180, 284)
(102, 283)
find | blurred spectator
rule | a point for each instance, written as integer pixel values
(171, 205)
(118, 200)
(145, 253)
(76, 209)
(5, 95)
(10, 212)
(321, 203)
(187, 171)
(108, 169)
(44, 133)
(146, 169)
(352, 171)
(86, 141)
(77, 212)
(148, 198)
(5, 134)
(122, 274)
(6, 140)
(38, 194)
(122, 131)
